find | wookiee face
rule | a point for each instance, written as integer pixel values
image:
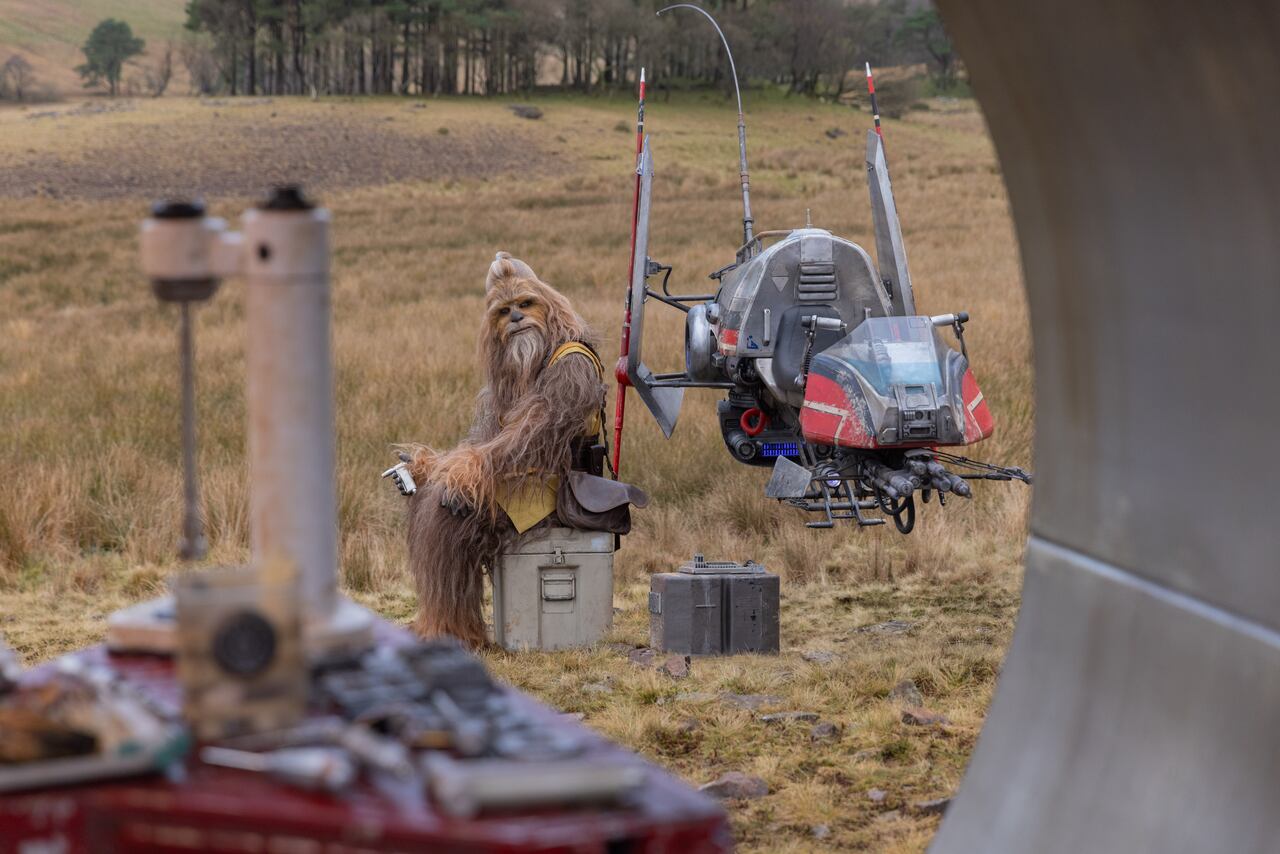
(515, 308)
(517, 322)
(525, 319)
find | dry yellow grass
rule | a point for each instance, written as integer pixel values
(88, 400)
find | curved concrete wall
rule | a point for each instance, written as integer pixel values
(1139, 706)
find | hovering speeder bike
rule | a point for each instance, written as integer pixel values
(833, 377)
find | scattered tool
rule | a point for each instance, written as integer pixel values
(372, 750)
(400, 476)
(325, 769)
(468, 788)
(75, 722)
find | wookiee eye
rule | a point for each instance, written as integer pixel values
(526, 303)
(504, 311)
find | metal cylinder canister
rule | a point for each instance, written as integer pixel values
(292, 456)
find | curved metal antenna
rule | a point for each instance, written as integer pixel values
(747, 221)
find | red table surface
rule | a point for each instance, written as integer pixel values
(204, 808)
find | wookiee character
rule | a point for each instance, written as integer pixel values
(537, 417)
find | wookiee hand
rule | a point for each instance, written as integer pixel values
(422, 463)
(455, 506)
(460, 473)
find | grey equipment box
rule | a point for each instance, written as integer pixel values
(714, 608)
(554, 590)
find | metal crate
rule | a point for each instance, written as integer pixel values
(554, 590)
(714, 608)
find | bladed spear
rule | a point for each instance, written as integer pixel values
(620, 370)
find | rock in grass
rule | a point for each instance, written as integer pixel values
(736, 785)
(877, 796)
(819, 656)
(526, 111)
(937, 806)
(819, 831)
(889, 627)
(695, 697)
(675, 666)
(920, 716)
(597, 688)
(751, 702)
(907, 693)
(642, 657)
(786, 717)
(891, 815)
(834, 133)
(825, 731)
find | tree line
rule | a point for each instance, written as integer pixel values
(492, 47)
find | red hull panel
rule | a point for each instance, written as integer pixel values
(978, 422)
(828, 417)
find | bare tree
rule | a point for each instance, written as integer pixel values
(158, 76)
(201, 63)
(17, 76)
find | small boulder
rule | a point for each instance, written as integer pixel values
(920, 716)
(687, 725)
(786, 717)
(907, 693)
(937, 806)
(736, 785)
(834, 133)
(695, 697)
(819, 656)
(526, 111)
(819, 831)
(751, 702)
(675, 666)
(597, 688)
(877, 796)
(891, 815)
(642, 657)
(889, 627)
(825, 731)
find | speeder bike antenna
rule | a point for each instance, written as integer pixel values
(747, 221)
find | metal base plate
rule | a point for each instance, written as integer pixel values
(151, 627)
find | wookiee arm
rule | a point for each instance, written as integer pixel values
(538, 432)
(484, 426)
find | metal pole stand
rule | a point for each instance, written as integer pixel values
(284, 256)
(293, 511)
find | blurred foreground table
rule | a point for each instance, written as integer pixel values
(205, 808)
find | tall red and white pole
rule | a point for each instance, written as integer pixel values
(875, 110)
(620, 370)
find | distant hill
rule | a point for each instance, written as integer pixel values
(49, 34)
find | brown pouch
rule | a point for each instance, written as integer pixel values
(590, 503)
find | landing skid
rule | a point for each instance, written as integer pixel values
(841, 490)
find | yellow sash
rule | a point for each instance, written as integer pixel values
(536, 501)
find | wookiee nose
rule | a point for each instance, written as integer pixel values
(516, 315)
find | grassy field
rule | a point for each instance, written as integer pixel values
(422, 194)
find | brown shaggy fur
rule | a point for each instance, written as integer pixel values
(527, 416)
